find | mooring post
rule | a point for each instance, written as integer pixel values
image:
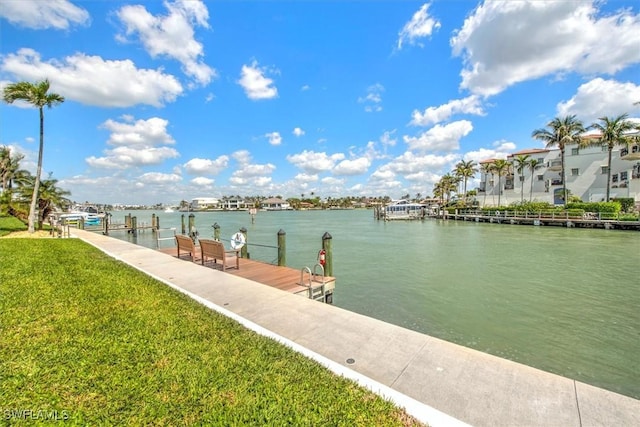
(182, 220)
(192, 227)
(105, 223)
(282, 248)
(81, 223)
(157, 226)
(243, 250)
(216, 231)
(153, 223)
(326, 246)
(134, 225)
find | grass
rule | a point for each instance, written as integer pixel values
(9, 224)
(101, 343)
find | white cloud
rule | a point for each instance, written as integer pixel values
(440, 137)
(352, 167)
(306, 178)
(91, 80)
(199, 166)
(421, 25)
(148, 132)
(159, 178)
(312, 162)
(57, 14)
(433, 115)
(171, 35)
(125, 157)
(305, 88)
(387, 138)
(506, 42)
(136, 144)
(298, 132)
(274, 138)
(201, 181)
(255, 84)
(599, 98)
(373, 99)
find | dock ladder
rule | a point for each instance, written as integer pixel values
(316, 287)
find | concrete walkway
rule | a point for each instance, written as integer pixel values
(438, 382)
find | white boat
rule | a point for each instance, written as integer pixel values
(88, 218)
(169, 210)
(404, 210)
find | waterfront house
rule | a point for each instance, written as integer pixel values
(275, 204)
(204, 203)
(585, 170)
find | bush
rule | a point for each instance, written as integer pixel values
(627, 204)
(601, 207)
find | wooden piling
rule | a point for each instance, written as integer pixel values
(216, 231)
(243, 251)
(182, 221)
(326, 246)
(282, 248)
(192, 227)
(134, 226)
(127, 221)
(153, 223)
(105, 224)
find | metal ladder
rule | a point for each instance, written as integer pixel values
(315, 292)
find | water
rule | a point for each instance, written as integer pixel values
(563, 300)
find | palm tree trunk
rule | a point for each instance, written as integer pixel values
(522, 189)
(36, 184)
(609, 172)
(531, 188)
(499, 189)
(564, 180)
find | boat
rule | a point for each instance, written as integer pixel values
(169, 210)
(74, 217)
(404, 210)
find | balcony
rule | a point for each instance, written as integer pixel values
(555, 165)
(630, 154)
(556, 182)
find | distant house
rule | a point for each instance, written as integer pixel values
(275, 204)
(234, 204)
(204, 203)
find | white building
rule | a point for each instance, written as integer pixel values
(234, 204)
(204, 203)
(585, 170)
(275, 204)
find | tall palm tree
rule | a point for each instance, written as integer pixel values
(465, 170)
(39, 96)
(533, 165)
(560, 133)
(486, 169)
(501, 167)
(520, 162)
(613, 130)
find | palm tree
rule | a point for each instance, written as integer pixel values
(561, 132)
(520, 162)
(465, 170)
(486, 169)
(50, 197)
(500, 167)
(37, 95)
(533, 165)
(613, 130)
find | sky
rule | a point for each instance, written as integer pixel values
(171, 100)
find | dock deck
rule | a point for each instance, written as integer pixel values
(279, 277)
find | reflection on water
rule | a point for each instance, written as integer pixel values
(563, 300)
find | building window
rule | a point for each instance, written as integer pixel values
(575, 151)
(540, 160)
(521, 178)
(540, 177)
(623, 176)
(605, 148)
(614, 178)
(575, 171)
(604, 170)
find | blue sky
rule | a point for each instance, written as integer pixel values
(171, 100)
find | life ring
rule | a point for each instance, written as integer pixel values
(237, 241)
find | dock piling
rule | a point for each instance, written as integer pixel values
(216, 231)
(282, 248)
(326, 246)
(243, 251)
(182, 221)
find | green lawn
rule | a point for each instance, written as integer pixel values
(9, 224)
(101, 343)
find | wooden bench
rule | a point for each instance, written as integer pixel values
(186, 244)
(215, 249)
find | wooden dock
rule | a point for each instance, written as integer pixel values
(546, 219)
(283, 278)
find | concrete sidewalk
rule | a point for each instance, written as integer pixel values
(438, 382)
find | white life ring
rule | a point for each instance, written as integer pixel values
(237, 241)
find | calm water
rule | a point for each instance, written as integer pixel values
(563, 300)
